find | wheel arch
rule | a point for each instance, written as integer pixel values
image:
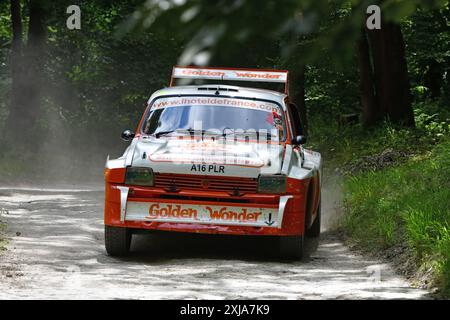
(312, 200)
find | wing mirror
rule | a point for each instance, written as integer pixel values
(298, 140)
(127, 135)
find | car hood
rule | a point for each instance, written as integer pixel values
(207, 157)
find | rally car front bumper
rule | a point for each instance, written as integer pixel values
(195, 211)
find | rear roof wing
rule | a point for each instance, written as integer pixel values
(231, 74)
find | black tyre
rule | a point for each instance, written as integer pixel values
(291, 247)
(117, 241)
(314, 230)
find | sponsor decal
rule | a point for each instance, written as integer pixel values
(275, 120)
(171, 211)
(203, 145)
(213, 214)
(207, 73)
(269, 220)
(231, 215)
(224, 74)
(258, 75)
(227, 102)
(312, 153)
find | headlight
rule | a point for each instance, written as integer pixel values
(272, 184)
(139, 176)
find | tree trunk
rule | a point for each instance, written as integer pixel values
(16, 49)
(16, 62)
(393, 89)
(299, 97)
(16, 22)
(36, 27)
(375, 48)
(27, 70)
(371, 112)
(433, 78)
(397, 94)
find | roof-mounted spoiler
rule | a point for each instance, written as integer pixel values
(236, 74)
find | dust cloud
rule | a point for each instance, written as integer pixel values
(331, 201)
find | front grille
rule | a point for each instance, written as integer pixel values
(203, 199)
(175, 182)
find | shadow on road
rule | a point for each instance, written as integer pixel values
(165, 245)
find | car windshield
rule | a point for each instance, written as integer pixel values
(221, 117)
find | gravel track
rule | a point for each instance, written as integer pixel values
(56, 251)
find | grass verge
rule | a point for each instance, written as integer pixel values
(396, 189)
(407, 204)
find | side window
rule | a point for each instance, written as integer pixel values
(297, 123)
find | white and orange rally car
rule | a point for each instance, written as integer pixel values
(216, 159)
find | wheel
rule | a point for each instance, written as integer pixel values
(117, 241)
(291, 247)
(314, 230)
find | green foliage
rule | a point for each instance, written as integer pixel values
(217, 30)
(343, 145)
(325, 87)
(96, 83)
(423, 62)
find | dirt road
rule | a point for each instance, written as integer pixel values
(56, 252)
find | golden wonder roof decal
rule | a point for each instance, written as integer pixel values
(237, 74)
